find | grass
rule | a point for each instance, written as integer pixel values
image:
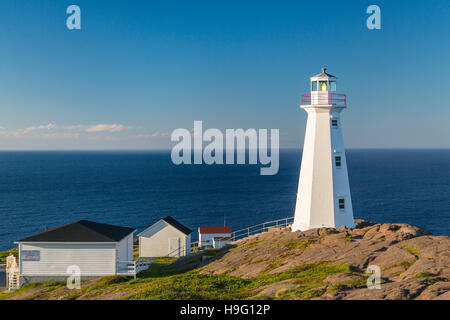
(423, 274)
(255, 243)
(302, 244)
(192, 285)
(412, 251)
(348, 238)
(46, 288)
(162, 281)
(5, 254)
(405, 264)
(347, 285)
(165, 260)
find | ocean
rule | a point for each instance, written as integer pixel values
(135, 189)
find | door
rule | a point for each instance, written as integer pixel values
(174, 247)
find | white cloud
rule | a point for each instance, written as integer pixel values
(56, 135)
(106, 127)
(75, 127)
(41, 127)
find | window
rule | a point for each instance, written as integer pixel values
(332, 85)
(314, 86)
(338, 161)
(341, 204)
(334, 123)
(323, 86)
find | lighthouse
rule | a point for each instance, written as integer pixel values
(323, 197)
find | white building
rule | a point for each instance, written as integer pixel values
(206, 235)
(220, 242)
(167, 237)
(323, 198)
(95, 248)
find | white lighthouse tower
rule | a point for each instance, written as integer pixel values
(323, 198)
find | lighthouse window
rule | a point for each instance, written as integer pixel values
(334, 123)
(323, 86)
(341, 204)
(314, 86)
(332, 85)
(337, 161)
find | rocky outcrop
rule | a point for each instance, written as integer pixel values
(413, 263)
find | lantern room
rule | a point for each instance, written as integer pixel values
(323, 91)
(323, 82)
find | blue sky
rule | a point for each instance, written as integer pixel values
(137, 70)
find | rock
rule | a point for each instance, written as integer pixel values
(437, 291)
(273, 289)
(341, 277)
(410, 259)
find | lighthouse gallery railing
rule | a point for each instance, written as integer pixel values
(325, 98)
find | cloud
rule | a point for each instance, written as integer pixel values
(56, 135)
(106, 127)
(41, 127)
(75, 127)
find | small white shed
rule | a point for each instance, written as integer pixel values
(167, 237)
(206, 235)
(220, 242)
(95, 248)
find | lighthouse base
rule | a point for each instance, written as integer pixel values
(304, 227)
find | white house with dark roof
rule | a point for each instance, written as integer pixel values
(96, 248)
(167, 237)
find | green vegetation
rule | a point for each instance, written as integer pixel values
(192, 285)
(423, 274)
(210, 253)
(255, 243)
(348, 238)
(347, 285)
(4, 254)
(165, 260)
(412, 251)
(405, 264)
(301, 244)
(44, 287)
(259, 260)
(162, 281)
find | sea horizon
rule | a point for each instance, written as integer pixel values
(136, 188)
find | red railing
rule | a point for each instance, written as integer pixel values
(324, 98)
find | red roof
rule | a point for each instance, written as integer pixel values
(205, 230)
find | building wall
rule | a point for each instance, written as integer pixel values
(125, 249)
(321, 184)
(221, 244)
(205, 239)
(92, 259)
(156, 241)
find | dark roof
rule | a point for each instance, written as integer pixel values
(174, 223)
(222, 238)
(81, 231)
(324, 74)
(206, 230)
